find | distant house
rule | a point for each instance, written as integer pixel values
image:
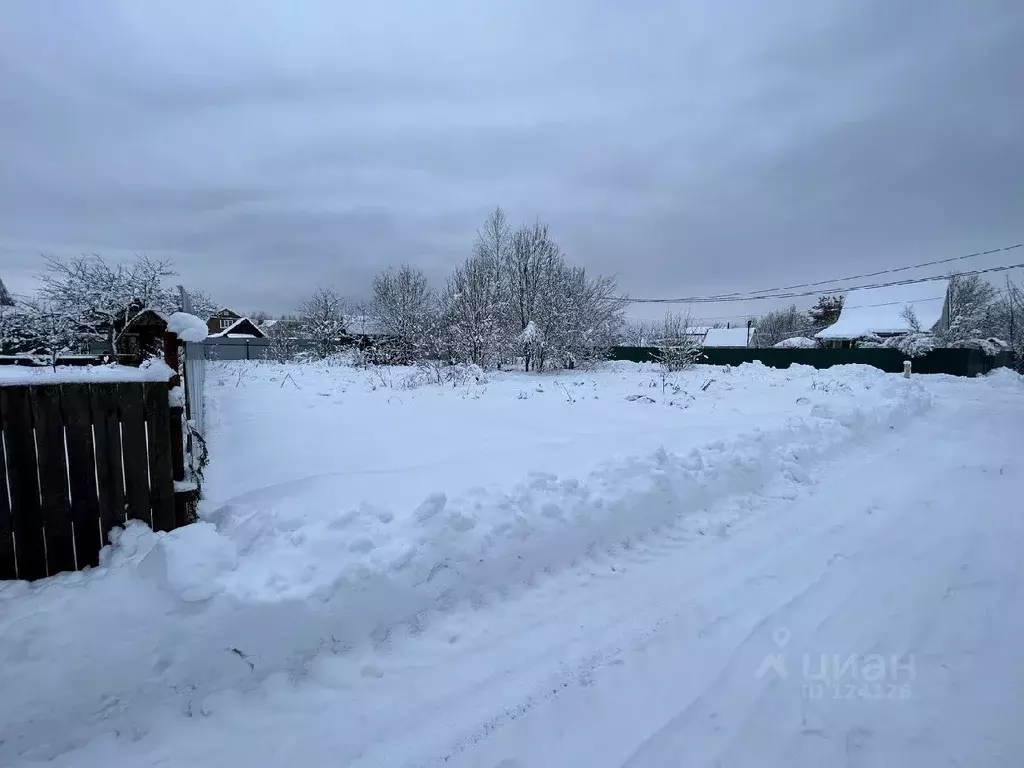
(221, 320)
(728, 337)
(242, 328)
(885, 312)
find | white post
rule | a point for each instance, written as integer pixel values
(906, 369)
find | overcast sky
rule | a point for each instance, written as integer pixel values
(689, 147)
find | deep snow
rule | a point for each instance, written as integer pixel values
(596, 581)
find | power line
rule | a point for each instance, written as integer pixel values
(771, 293)
(701, 320)
(793, 295)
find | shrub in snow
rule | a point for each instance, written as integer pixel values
(465, 373)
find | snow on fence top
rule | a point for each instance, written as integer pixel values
(151, 370)
(726, 337)
(881, 310)
(187, 327)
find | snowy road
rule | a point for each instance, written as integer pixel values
(873, 616)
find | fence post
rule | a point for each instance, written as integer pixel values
(906, 369)
(182, 498)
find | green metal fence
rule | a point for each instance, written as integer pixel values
(956, 362)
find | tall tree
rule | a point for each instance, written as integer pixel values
(404, 308)
(971, 303)
(322, 322)
(473, 307)
(826, 311)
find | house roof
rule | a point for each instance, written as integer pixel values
(726, 337)
(880, 310)
(242, 325)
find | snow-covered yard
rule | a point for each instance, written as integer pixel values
(585, 568)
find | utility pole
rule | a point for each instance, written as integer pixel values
(1013, 309)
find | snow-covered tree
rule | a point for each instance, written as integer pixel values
(779, 325)
(1007, 320)
(971, 305)
(46, 330)
(576, 316)
(99, 298)
(637, 333)
(826, 311)
(917, 342)
(322, 322)
(473, 307)
(405, 309)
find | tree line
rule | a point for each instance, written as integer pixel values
(516, 300)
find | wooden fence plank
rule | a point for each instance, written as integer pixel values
(133, 450)
(85, 510)
(8, 567)
(161, 473)
(23, 482)
(106, 420)
(53, 478)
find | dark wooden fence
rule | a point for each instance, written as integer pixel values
(957, 362)
(77, 460)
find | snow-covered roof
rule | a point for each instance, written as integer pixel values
(726, 337)
(232, 330)
(880, 310)
(797, 342)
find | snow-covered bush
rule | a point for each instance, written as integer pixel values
(465, 373)
(914, 344)
(991, 346)
(321, 322)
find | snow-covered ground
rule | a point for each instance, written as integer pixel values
(595, 568)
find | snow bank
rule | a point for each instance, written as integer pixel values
(151, 370)
(187, 327)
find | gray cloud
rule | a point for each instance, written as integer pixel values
(694, 147)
